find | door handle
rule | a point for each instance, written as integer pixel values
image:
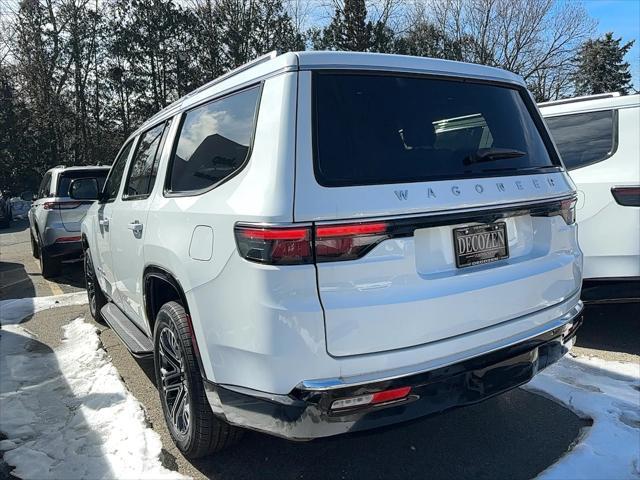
(104, 222)
(135, 227)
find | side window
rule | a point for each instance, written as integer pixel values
(112, 185)
(45, 186)
(144, 165)
(583, 138)
(214, 142)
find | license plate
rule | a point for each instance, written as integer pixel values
(479, 244)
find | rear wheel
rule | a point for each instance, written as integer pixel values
(35, 251)
(193, 427)
(49, 266)
(97, 300)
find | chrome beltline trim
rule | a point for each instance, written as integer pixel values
(335, 383)
(488, 207)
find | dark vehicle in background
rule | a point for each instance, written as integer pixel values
(54, 217)
(5, 209)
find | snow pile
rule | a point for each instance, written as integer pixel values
(15, 310)
(67, 414)
(609, 393)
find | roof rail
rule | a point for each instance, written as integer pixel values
(598, 96)
(176, 105)
(261, 59)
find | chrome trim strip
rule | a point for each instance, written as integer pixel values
(489, 207)
(334, 383)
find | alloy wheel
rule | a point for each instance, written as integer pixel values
(175, 392)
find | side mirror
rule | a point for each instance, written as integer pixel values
(84, 189)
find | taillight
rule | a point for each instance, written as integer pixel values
(568, 210)
(627, 196)
(75, 238)
(295, 245)
(60, 205)
(565, 208)
(275, 245)
(346, 242)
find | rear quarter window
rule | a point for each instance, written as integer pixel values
(214, 142)
(584, 138)
(65, 180)
(387, 128)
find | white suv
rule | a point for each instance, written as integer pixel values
(597, 137)
(323, 242)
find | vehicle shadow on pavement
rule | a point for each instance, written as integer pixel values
(41, 414)
(15, 281)
(613, 327)
(516, 436)
(17, 226)
(72, 274)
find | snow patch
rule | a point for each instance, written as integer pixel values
(16, 310)
(609, 393)
(66, 413)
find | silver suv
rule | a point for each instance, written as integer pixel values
(55, 218)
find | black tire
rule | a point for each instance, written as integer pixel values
(97, 299)
(35, 250)
(6, 223)
(193, 427)
(49, 266)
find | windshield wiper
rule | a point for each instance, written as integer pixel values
(490, 154)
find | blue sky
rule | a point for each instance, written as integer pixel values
(622, 17)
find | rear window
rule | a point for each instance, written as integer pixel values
(65, 179)
(376, 129)
(583, 138)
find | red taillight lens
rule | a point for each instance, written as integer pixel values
(389, 395)
(346, 242)
(275, 245)
(67, 239)
(627, 196)
(60, 205)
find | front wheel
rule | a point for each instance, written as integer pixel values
(193, 427)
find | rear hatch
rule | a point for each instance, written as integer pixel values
(440, 208)
(71, 211)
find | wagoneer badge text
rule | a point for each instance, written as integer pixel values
(457, 190)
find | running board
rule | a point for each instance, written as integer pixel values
(134, 339)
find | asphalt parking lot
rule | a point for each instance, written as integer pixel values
(515, 436)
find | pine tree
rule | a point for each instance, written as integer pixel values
(355, 29)
(351, 30)
(601, 66)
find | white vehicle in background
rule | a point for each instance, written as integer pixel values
(325, 242)
(598, 138)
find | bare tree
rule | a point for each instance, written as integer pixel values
(533, 38)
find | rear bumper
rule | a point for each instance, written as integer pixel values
(305, 413)
(64, 250)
